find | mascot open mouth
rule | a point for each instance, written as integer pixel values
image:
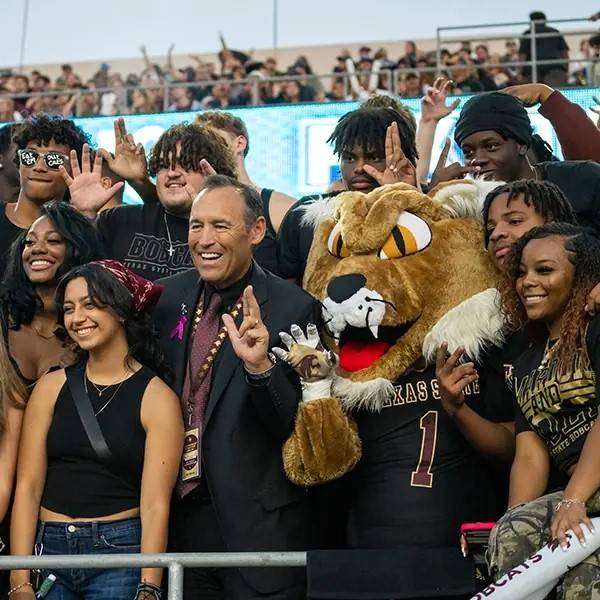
(359, 348)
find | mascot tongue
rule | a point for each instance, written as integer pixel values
(355, 356)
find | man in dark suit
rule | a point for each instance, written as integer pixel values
(239, 406)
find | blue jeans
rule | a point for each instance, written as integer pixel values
(110, 537)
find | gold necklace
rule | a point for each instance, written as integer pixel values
(100, 389)
(85, 379)
(548, 352)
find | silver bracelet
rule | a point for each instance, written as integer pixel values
(568, 502)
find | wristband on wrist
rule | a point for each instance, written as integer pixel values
(260, 375)
(568, 502)
(148, 591)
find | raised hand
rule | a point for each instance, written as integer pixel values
(530, 93)
(250, 341)
(206, 168)
(88, 195)
(306, 354)
(398, 168)
(453, 379)
(455, 170)
(433, 103)
(129, 161)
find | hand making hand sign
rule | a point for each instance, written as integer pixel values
(433, 103)
(129, 161)
(250, 341)
(452, 171)
(398, 168)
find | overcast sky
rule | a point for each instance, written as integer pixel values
(72, 30)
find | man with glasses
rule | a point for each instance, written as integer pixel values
(43, 144)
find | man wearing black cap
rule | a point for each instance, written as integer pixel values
(494, 133)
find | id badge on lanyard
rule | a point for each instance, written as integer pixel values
(190, 463)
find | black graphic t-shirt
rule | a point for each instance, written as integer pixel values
(8, 234)
(137, 236)
(295, 239)
(418, 479)
(496, 378)
(561, 409)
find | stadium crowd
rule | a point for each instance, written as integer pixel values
(143, 408)
(239, 80)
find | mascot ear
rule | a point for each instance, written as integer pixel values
(335, 243)
(410, 235)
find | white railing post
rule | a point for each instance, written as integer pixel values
(175, 581)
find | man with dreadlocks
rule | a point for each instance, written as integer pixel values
(376, 146)
(151, 239)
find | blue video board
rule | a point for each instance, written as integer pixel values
(288, 149)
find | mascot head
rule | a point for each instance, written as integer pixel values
(394, 268)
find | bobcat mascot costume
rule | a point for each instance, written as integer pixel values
(397, 273)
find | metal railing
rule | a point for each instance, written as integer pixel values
(391, 76)
(175, 563)
(532, 35)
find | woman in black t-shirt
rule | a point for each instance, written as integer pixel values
(109, 497)
(551, 271)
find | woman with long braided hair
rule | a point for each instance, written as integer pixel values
(551, 271)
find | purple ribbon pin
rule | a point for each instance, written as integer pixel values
(179, 328)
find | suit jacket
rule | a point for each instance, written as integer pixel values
(258, 509)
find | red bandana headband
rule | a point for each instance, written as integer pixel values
(145, 293)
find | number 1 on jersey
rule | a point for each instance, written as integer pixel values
(422, 476)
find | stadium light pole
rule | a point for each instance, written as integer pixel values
(24, 34)
(275, 18)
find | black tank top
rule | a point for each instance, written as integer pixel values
(78, 483)
(266, 252)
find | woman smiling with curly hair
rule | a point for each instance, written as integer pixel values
(549, 275)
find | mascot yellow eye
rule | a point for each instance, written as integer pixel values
(410, 235)
(335, 244)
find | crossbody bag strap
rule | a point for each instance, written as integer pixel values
(85, 411)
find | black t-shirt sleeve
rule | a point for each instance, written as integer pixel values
(497, 398)
(521, 423)
(288, 251)
(104, 225)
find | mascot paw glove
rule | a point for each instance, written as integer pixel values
(307, 356)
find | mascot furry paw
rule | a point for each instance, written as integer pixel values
(392, 269)
(306, 460)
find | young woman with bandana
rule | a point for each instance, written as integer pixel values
(122, 497)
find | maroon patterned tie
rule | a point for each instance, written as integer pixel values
(196, 388)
